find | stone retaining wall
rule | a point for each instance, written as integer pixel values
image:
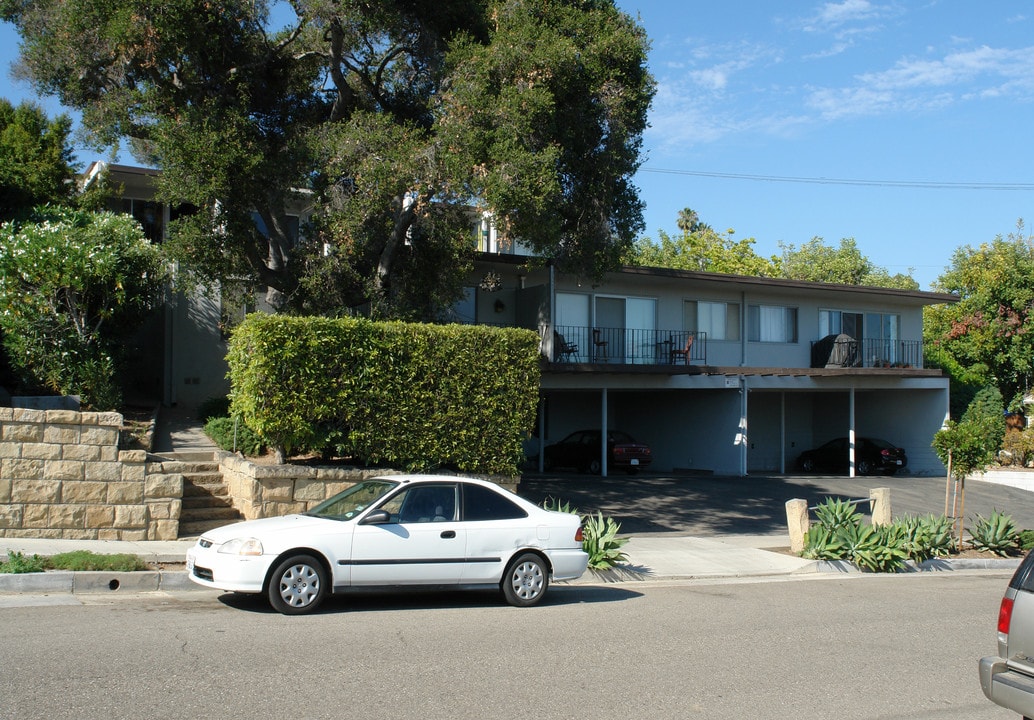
(260, 490)
(62, 475)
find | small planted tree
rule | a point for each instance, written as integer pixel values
(965, 447)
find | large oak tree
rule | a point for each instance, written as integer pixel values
(392, 118)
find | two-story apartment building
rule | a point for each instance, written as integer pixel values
(757, 386)
(718, 373)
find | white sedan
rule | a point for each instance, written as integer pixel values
(395, 531)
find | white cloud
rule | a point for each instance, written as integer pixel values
(834, 16)
(922, 84)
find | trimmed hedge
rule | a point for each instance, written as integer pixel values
(415, 397)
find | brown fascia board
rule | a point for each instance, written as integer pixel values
(920, 297)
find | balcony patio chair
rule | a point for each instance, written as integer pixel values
(599, 347)
(683, 352)
(563, 350)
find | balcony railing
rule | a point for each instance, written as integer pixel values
(870, 353)
(628, 346)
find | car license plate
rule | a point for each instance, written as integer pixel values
(635, 461)
(898, 462)
(190, 563)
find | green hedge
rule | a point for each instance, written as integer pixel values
(416, 397)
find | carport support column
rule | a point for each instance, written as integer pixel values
(852, 456)
(603, 434)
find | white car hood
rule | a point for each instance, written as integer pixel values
(266, 528)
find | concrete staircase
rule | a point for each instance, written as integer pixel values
(206, 500)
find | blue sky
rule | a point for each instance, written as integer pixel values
(903, 125)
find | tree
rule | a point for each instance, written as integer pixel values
(395, 120)
(815, 261)
(969, 446)
(985, 338)
(74, 285)
(699, 247)
(36, 164)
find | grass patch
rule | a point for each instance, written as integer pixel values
(78, 561)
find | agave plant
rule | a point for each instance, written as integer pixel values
(996, 534)
(926, 536)
(836, 513)
(821, 543)
(874, 548)
(601, 541)
(599, 536)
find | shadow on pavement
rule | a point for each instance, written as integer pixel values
(381, 601)
(755, 505)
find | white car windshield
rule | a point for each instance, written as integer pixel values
(349, 503)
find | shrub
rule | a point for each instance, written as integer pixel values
(212, 408)
(1018, 447)
(84, 560)
(19, 563)
(835, 513)
(74, 286)
(233, 435)
(821, 543)
(410, 396)
(996, 534)
(599, 536)
(926, 536)
(602, 543)
(1026, 539)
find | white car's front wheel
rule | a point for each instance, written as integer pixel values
(526, 580)
(298, 585)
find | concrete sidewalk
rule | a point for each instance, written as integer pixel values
(657, 557)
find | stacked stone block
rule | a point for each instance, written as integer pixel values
(62, 475)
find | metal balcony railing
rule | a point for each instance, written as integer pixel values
(627, 346)
(869, 353)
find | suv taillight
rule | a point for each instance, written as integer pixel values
(1005, 615)
(578, 537)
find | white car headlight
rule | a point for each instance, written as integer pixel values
(242, 546)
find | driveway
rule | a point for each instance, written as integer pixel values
(708, 506)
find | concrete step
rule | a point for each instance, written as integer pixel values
(193, 528)
(225, 514)
(200, 502)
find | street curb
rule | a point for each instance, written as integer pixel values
(95, 582)
(102, 582)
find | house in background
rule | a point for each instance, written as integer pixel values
(182, 350)
(717, 373)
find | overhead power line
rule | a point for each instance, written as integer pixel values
(931, 185)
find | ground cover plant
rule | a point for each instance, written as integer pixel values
(77, 561)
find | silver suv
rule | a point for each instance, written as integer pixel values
(1008, 678)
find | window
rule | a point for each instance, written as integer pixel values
(771, 323)
(718, 320)
(424, 503)
(835, 322)
(148, 213)
(481, 503)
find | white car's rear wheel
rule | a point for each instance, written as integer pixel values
(297, 585)
(526, 580)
